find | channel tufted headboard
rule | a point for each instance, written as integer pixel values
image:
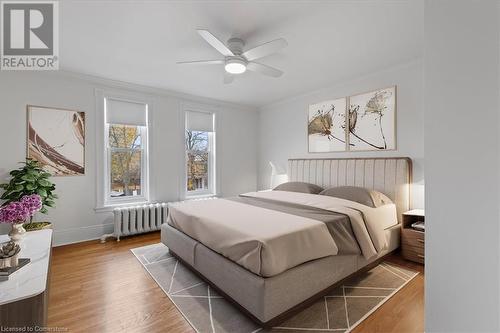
(389, 175)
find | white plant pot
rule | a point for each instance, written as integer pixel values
(17, 232)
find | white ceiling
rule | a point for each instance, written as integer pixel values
(329, 41)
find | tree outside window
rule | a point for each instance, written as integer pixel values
(197, 150)
(126, 151)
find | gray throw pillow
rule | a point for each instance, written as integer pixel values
(299, 187)
(358, 194)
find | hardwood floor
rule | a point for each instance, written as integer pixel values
(102, 288)
(403, 312)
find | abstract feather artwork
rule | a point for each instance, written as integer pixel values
(56, 138)
(326, 126)
(372, 118)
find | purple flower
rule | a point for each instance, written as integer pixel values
(20, 211)
(14, 212)
(33, 202)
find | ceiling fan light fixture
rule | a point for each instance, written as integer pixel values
(237, 60)
(235, 66)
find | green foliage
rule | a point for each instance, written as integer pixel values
(30, 179)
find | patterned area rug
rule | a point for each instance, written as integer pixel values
(206, 311)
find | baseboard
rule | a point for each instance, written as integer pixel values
(77, 235)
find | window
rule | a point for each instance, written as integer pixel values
(200, 153)
(126, 138)
(125, 151)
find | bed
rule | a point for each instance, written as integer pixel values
(292, 268)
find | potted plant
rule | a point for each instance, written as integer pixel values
(28, 180)
(9, 255)
(17, 212)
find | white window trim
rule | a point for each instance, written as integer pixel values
(214, 179)
(104, 203)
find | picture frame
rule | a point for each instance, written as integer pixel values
(326, 126)
(372, 120)
(56, 139)
(361, 122)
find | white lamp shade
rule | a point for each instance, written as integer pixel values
(278, 179)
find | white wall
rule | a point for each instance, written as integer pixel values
(461, 92)
(283, 125)
(74, 218)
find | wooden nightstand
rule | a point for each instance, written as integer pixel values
(413, 241)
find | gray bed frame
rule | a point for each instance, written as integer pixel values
(271, 300)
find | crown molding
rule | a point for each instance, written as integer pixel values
(149, 90)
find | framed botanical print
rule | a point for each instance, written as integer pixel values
(372, 120)
(326, 126)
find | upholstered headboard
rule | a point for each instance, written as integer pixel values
(391, 175)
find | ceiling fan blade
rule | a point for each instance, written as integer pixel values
(264, 69)
(215, 42)
(265, 49)
(201, 62)
(228, 78)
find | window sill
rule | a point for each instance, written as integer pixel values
(110, 208)
(200, 196)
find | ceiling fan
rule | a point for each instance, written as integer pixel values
(236, 61)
